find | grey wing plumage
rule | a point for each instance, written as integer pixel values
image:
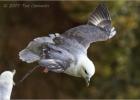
(47, 53)
(56, 59)
(100, 17)
(32, 52)
(98, 28)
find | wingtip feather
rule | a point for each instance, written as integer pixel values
(28, 56)
(100, 14)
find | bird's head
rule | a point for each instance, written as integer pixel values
(84, 68)
(87, 70)
(8, 75)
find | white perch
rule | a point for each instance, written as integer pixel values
(6, 84)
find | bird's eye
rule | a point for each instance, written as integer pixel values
(86, 71)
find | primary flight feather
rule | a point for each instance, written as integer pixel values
(67, 52)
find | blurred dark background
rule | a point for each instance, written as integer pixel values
(117, 61)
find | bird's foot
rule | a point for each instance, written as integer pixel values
(45, 70)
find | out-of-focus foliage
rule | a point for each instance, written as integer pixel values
(117, 61)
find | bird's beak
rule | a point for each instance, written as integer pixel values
(87, 81)
(14, 71)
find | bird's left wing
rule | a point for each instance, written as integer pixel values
(56, 58)
(98, 28)
(32, 52)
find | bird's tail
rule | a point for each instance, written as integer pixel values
(32, 52)
(101, 18)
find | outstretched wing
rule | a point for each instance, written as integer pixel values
(98, 28)
(47, 53)
(34, 49)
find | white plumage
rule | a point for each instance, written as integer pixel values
(6, 84)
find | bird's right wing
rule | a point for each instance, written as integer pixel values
(98, 28)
